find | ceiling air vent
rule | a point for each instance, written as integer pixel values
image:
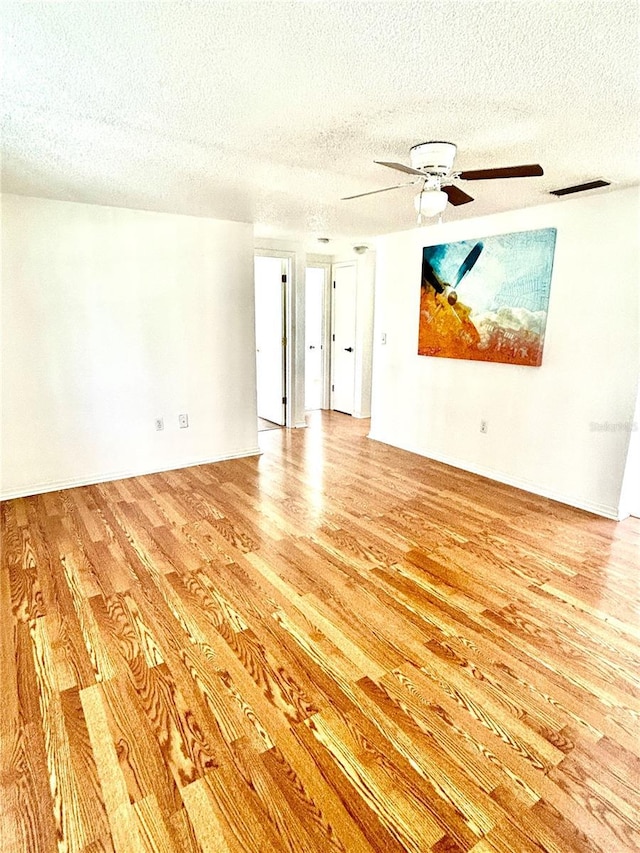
(580, 188)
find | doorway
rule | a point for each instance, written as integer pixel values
(343, 338)
(316, 366)
(271, 376)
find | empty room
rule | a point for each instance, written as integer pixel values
(320, 446)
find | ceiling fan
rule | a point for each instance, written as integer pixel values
(432, 167)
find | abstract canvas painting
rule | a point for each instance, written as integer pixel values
(487, 299)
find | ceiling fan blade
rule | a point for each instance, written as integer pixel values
(456, 195)
(400, 167)
(531, 171)
(373, 192)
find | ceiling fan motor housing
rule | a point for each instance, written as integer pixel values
(433, 157)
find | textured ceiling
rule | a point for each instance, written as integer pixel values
(270, 111)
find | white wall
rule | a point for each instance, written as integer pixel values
(541, 420)
(114, 317)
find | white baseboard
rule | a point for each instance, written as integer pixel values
(58, 485)
(508, 480)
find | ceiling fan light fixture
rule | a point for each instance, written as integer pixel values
(430, 202)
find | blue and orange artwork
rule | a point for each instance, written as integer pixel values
(487, 299)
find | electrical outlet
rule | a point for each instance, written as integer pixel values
(159, 422)
(484, 426)
(183, 421)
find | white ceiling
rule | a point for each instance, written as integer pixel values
(270, 111)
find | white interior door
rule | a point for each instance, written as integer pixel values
(270, 338)
(343, 348)
(314, 337)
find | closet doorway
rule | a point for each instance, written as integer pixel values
(271, 275)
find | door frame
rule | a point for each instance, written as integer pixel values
(288, 288)
(327, 326)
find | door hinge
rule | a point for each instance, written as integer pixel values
(333, 387)
(334, 285)
(284, 342)
(333, 337)
(284, 278)
(284, 400)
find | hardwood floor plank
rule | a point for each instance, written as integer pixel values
(291, 832)
(361, 810)
(26, 807)
(462, 809)
(207, 826)
(138, 750)
(183, 834)
(411, 826)
(104, 747)
(84, 766)
(10, 717)
(245, 822)
(323, 835)
(313, 610)
(94, 641)
(72, 817)
(155, 834)
(26, 592)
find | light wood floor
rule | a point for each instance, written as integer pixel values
(337, 646)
